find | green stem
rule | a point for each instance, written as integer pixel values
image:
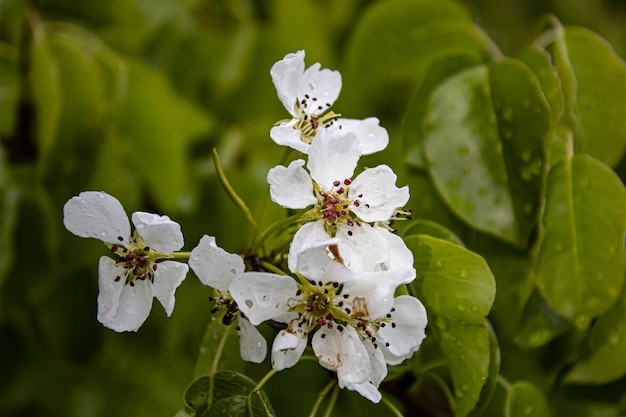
(321, 397)
(444, 389)
(392, 407)
(259, 386)
(218, 355)
(230, 190)
(180, 255)
(504, 383)
(331, 403)
(302, 217)
(272, 268)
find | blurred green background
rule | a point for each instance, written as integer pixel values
(130, 97)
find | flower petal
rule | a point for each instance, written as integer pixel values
(333, 158)
(262, 296)
(97, 215)
(109, 288)
(291, 186)
(362, 247)
(309, 235)
(321, 86)
(252, 345)
(287, 135)
(399, 342)
(372, 136)
(399, 255)
(319, 263)
(369, 389)
(160, 233)
(287, 76)
(133, 307)
(378, 195)
(288, 347)
(167, 278)
(344, 353)
(214, 266)
(375, 289)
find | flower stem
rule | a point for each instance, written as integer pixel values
(272, 268)
(180, 255)
(392, 407)
(321, 397)
(230, 191)
(262, 382)
(332, 401)
(277, 226)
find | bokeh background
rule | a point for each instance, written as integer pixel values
(130, 97)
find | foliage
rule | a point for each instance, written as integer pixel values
(513, 148)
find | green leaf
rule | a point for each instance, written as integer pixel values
(227, 393)
(431, 228)
(157, 126)
(46, 90)
(486, 130)
(539, 61)
(458, 289)
(486, 394)
(605, 361)
(594, 84)
(526, 400)
(539, 323)
(413, 124)
(580, 266)
(9, 94)
(229, 357)
(395, 42)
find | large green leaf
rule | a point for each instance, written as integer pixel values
(580, 266)
(485, 147)
(227, 393)
(539, 323)
(395, 42)
(606, 359)
(594, 84)
(458, 289)
(413, 124)
(526, 400)
(156, 126)
(229, 358)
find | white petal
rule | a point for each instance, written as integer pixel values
(287, 135)
(406, 337)
(369, 389)
(287, 76)
(167, 278)
(98, 215)
(262, 296)
(376, 289)
(372, 136)
(362, 247)
(134, 307)
(380, 196)
(291, 186)
(288, 347)
(333, 158)
(399, 255)
(214, 266)
(158, 232)
(109, 289)
(322, 87)
(309, 235)
(319, 263)
(252, 345)
(344, 353)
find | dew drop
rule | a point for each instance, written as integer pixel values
(196, 258)
(101, 196)
(453, 183)
(463, 150)
(507, 114)
(529, 410)
(439, 263)
(460, 307)
(441, 323)
(526, 155)
(464, 273)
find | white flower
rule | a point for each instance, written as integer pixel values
(128, 284)
(352, 316)
(351, 210)
(218, 269)
(308, 95)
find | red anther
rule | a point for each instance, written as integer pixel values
(329, 316)
(336, 183)
(321, 321)
(310, 308)
(341, 190)
(347, 181)
(356, 203)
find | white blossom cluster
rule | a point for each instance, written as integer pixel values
(345, 264)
